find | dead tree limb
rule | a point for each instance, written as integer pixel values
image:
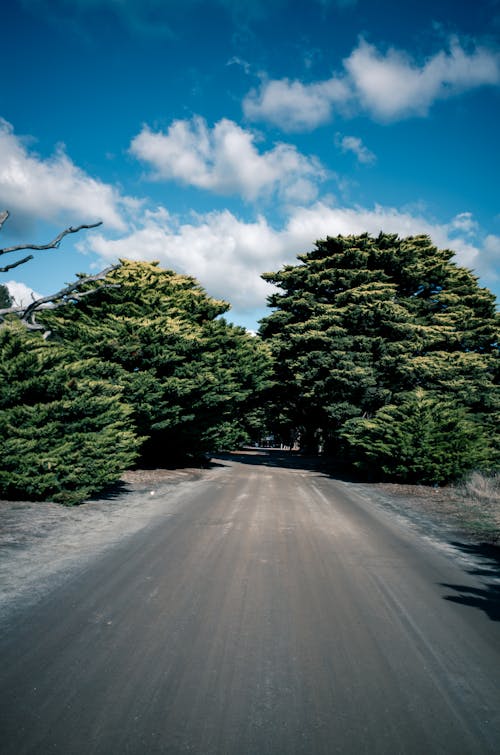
(71, 293)
(3, 217)
(16, 264)
(67, 295)
(54, 244)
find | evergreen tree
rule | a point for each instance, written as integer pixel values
(65, 432)
(362, 320)
(423, 439)
(190, 377)
(5, 297)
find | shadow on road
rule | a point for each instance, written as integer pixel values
(487, 597)
(270, 457)
(274, 457)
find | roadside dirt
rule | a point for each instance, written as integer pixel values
(447, 510)
(43, 542)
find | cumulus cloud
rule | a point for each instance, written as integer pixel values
(355, 145)
(389, 86)
(490, 258)
(392, 85)
(322, 220)
(49, 188)
(226, 160)
(295, 106)
(464, 223)
(228, 254)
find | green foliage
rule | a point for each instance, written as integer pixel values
(145, 363)
(65, 432)
(190, 377)
(361, 321)
(423, 440)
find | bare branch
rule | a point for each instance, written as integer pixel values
(64, 296)
(26, 314)
(15, 310)
(16, 264)
(54, 244)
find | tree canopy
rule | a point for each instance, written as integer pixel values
(361, 322)
(143, 366)
(380, 350)
(191, 378)
(65, 431)
(5, 297)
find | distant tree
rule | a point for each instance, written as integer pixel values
(5, 297)
(362, 320)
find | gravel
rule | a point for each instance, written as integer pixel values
(42, 543)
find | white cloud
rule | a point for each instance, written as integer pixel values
(389, 86)
(393, 86)
(322, 220)
(225, 160)
(490, 258)
(228, 255)
(21, 294)
(355, 145)
(294, 106)
(54, 187)
(237, 61)
(464, 223)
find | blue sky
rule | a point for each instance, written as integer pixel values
(223, 138)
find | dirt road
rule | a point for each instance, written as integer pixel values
(271, 610)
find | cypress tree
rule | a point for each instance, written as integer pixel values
(422, 439)
(362, 320)
(65, 432)
(190, 377)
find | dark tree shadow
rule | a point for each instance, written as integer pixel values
(275, 457)
(269, 457)
(487, 597)
(109, 493)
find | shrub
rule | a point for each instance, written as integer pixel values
(424, 439)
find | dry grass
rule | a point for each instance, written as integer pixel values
(481, 493)
(482, 488)
(472, 507)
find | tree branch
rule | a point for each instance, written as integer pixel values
(4, 215)
(16, 264)
(70, 293)
(54, 244)
(64, 296)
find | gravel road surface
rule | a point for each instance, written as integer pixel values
(263, 608)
